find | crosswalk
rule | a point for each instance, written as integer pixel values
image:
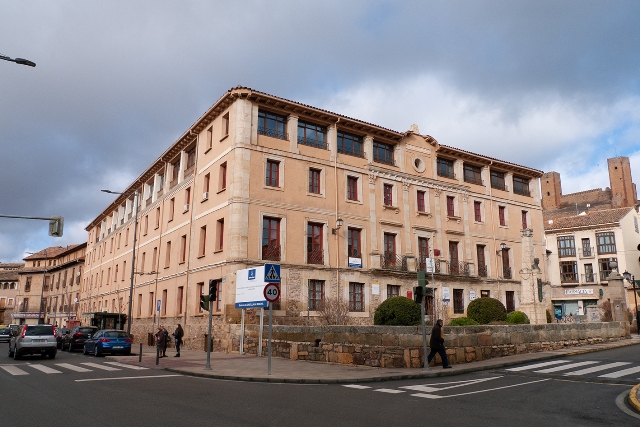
(60, 368)
(570, 368)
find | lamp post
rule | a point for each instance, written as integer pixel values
(632, 279)
(20, 61)
(133, 252)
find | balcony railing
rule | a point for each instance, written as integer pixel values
(173, 183)
(391, 261)
(384, 157)
(568, 278)
(587, 252)
(473, 180)
(352, 151)
(315, 256)
(603, 275)
(506, 273)
(588, 278)
(312, 142)
(522, 191)
(446, 173)
(271, 252)
(482, 271)
(272, 132)
(566, 252)
(458, 268)
(189, 171)
(499, 185)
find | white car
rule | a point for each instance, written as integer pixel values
(34, 339)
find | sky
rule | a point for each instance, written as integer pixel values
(553, 85)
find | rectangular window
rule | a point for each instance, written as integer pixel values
(273, 125)
(387, 194)
(454, 265)
(225, 125)
(393, 291)
(157, 217)
(383, 153)
(218, 296)
(502, 216)
(205, 186)
(606, 242)
(589, 277)
(566, 246)
(142, 263)
(316, 294)
(445, 168)
(27, 286)
(353, 242)
(124, 269)
(179, 300)
(271, 239)
(587, 250)
(352, 188)
(350, 144)
(154, 259)
(152, 303)
(191, 158)
(497, 180)
(167, 259)
(423, 248)
(183, 248)
(356, 296)
(482, 264)
(199, 291)
(220, 232)
(420, 198)
(164, 302)
(312, 135)
(314, 181)
(172, 208)
(390, 245)
(511, 301)
(202, 246)
(485, 294)
(115, 273)
(315, 250)
(126, 240)
(568, 271)
(472, 174)
(524, 220)
(145, 225)
(521, 185)
(605, 268)
(210, 137)
(175, 172)
(139, 306)
(451, 206)
(272, 178)
(187, 198)
(477, 211)
(223, 177)
(458, 301)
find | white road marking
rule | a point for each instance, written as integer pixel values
(356, 386)
(104, 368)
(428, 388)
(129, 378)
(73, 367)
(388, 390)
(14, 370)
(598, 368)
(536, 365)
(622, 373)
(433, 396)
(45, 369)
(123, 365)
(564, 367)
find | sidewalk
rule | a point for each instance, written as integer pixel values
(251, 368)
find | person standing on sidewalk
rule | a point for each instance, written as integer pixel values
(160, 341)
(166, 340)
(178, 334)
(437, 345)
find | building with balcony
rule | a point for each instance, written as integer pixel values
(60, 270)
(349, 209)
(8, 289)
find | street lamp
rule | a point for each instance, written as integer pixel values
(20, 61)
(632, 279)
(133, 252)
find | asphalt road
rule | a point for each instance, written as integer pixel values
(67, 391)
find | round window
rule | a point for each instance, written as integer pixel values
(418, 164)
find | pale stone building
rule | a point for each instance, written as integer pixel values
(349, 209)
(8, 289)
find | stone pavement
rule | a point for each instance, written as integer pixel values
(232, 366)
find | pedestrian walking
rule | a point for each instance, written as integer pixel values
(178, 334)
(166, 341)
(160, 341)
(437, 345)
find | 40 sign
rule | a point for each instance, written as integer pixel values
(272, 292)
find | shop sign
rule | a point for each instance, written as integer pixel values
(578, 291)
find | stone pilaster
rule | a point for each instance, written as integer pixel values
(374, 261)
(292, 133)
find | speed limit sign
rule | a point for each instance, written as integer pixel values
(271, 292)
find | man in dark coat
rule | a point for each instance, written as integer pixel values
(178, 334)
(436, 343)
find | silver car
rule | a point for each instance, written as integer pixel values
(34, 339)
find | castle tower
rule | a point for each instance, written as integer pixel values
(623, 191)
(551, 190)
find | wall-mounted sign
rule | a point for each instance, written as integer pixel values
(578, 291)
(375, 289)
(445, 294)
(472, 295)
(355, 262)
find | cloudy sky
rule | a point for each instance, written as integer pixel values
(553, 85)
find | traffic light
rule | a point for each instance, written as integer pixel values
(213, 289)
(204, 302)
(418, 294)
(56, 225)
(422, 279)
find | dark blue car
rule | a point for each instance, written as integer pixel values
(108, 341)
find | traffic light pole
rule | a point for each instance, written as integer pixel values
(209, 338)
(269, 342)
(424, 337)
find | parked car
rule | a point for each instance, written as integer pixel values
(5, 335)
(108, 341)
(14, 328)
(34, 339)
(60, 333)
(75, 338)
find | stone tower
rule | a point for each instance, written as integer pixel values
(623, 192)
(551, 190)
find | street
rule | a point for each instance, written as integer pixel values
(74, 389)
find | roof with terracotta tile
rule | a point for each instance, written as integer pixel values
(52, 252)
(590, 219)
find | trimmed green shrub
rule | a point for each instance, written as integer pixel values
(485, 310)
(518, 318)
(462, 321)
(397, 311)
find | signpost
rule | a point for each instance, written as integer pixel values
(271, 293)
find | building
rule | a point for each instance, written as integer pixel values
(585, 232)
(8, 289)
(349, 209)
(60, 269)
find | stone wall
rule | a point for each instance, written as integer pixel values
(401, 346)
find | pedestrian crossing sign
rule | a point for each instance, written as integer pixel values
(272, 273)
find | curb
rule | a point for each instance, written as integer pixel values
(418, 375)
(633, 398)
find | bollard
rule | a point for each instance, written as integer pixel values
(140, 354)
(157, 355)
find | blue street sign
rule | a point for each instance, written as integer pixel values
(252, 274)
(272, 273)
(251, 304)
(158, 305)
